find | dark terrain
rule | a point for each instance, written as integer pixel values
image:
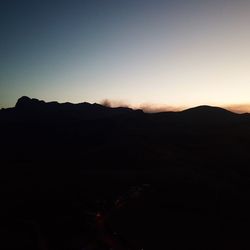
(85, 176)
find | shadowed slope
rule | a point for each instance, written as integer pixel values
(60, 160)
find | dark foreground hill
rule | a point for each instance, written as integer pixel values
(85, 176)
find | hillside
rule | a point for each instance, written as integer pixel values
(62, 162)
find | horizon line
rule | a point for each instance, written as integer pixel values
(157, 108)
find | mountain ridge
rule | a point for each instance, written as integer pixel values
(197, 160)
(27, 103)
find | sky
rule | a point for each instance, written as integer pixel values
(144, 53)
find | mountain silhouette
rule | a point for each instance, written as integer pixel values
(208, 110)
(64, 162)
(210, 114)
(28, 106)
(96, 129)
(27, 103)
(85, 110)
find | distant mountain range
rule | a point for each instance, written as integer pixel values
(60, 160)
(26, 104)
(131, 137)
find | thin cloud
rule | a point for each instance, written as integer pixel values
(238, 108)
(156, 108)
(146, 107)
(115, 103)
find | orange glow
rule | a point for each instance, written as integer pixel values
(239, 108)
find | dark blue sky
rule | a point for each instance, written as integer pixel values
(174, 53)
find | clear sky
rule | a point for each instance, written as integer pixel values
(173, 53)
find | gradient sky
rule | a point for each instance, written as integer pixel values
(178, 53)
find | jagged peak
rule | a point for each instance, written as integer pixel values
(27, 102)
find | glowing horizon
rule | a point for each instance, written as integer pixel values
(156, 107)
